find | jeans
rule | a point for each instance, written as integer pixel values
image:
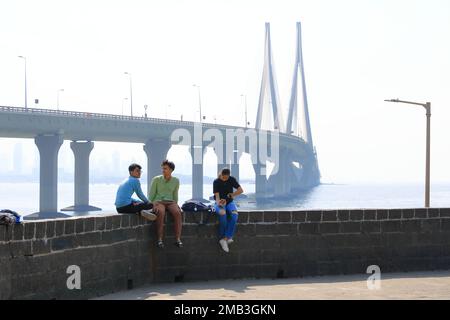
(227, 221)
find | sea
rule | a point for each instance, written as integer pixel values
(23, 197)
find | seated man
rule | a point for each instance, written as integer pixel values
(164, 196)
(225, 207)
(124, 201)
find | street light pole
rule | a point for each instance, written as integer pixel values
(427, 107)
(199, 101)
(57, 98)
(245, 105)
(25, 61)
(131, 93)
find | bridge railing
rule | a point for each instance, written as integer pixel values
(92, 115)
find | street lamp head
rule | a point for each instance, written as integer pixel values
(21, 57)
(392, 100)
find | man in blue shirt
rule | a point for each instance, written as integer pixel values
(124, 201)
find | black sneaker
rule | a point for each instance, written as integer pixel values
(160, 244)
(179, 244)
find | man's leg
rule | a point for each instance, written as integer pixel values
(175, 210)
(222, 215)
(127, 209)
(160, 211)
(131, 208)
(232, 209)
(144, 206)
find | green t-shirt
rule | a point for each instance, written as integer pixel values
(162, 189)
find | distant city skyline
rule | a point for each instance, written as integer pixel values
(102, 167)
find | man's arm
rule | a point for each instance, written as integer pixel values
(237, 192)
(138, 191)
(238, 188)
(217, 194)
(175, 192)
(219, 202)
(152, 194)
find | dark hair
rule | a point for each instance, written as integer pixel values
(133, 166)
(225, 172)
(168, 163)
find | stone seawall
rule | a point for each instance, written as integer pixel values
(118, 252)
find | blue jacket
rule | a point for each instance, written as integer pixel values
(126, 189)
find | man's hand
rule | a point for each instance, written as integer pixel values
(222, 202)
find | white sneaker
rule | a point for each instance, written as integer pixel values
(223, 243)
(148, 214)
(230, 241)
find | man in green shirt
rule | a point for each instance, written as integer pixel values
(164, 196)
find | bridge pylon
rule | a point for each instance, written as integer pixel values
(269, 115)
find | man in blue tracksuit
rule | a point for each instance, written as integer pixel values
(124, 201)
(225, 208)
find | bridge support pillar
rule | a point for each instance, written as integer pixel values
(282, 180)
(235, 170)
(197, 153)
(81, 151)
(156, 150)
(222, 159)
(48, 146)
(260, 180)
(235, 164)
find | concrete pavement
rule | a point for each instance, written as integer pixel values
(415, 285)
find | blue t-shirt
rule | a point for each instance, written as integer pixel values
(126, 189)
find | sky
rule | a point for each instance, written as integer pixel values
(356, 52)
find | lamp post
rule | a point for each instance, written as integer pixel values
(131, 92)
(199, 100)
(427, 107)
(57, 98)
(245, 105)
(25, 61)
(145, 108)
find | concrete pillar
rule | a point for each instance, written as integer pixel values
(235, 170)
(223, 161)
(281, 181)
(81, 151)
(260, 180)
(48, 146)
(156, 150)
(235, 164)
(197, 153)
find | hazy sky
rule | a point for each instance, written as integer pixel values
(357, 53)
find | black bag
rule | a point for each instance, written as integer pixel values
(8, 217)
(196, 206)
(193, 206)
